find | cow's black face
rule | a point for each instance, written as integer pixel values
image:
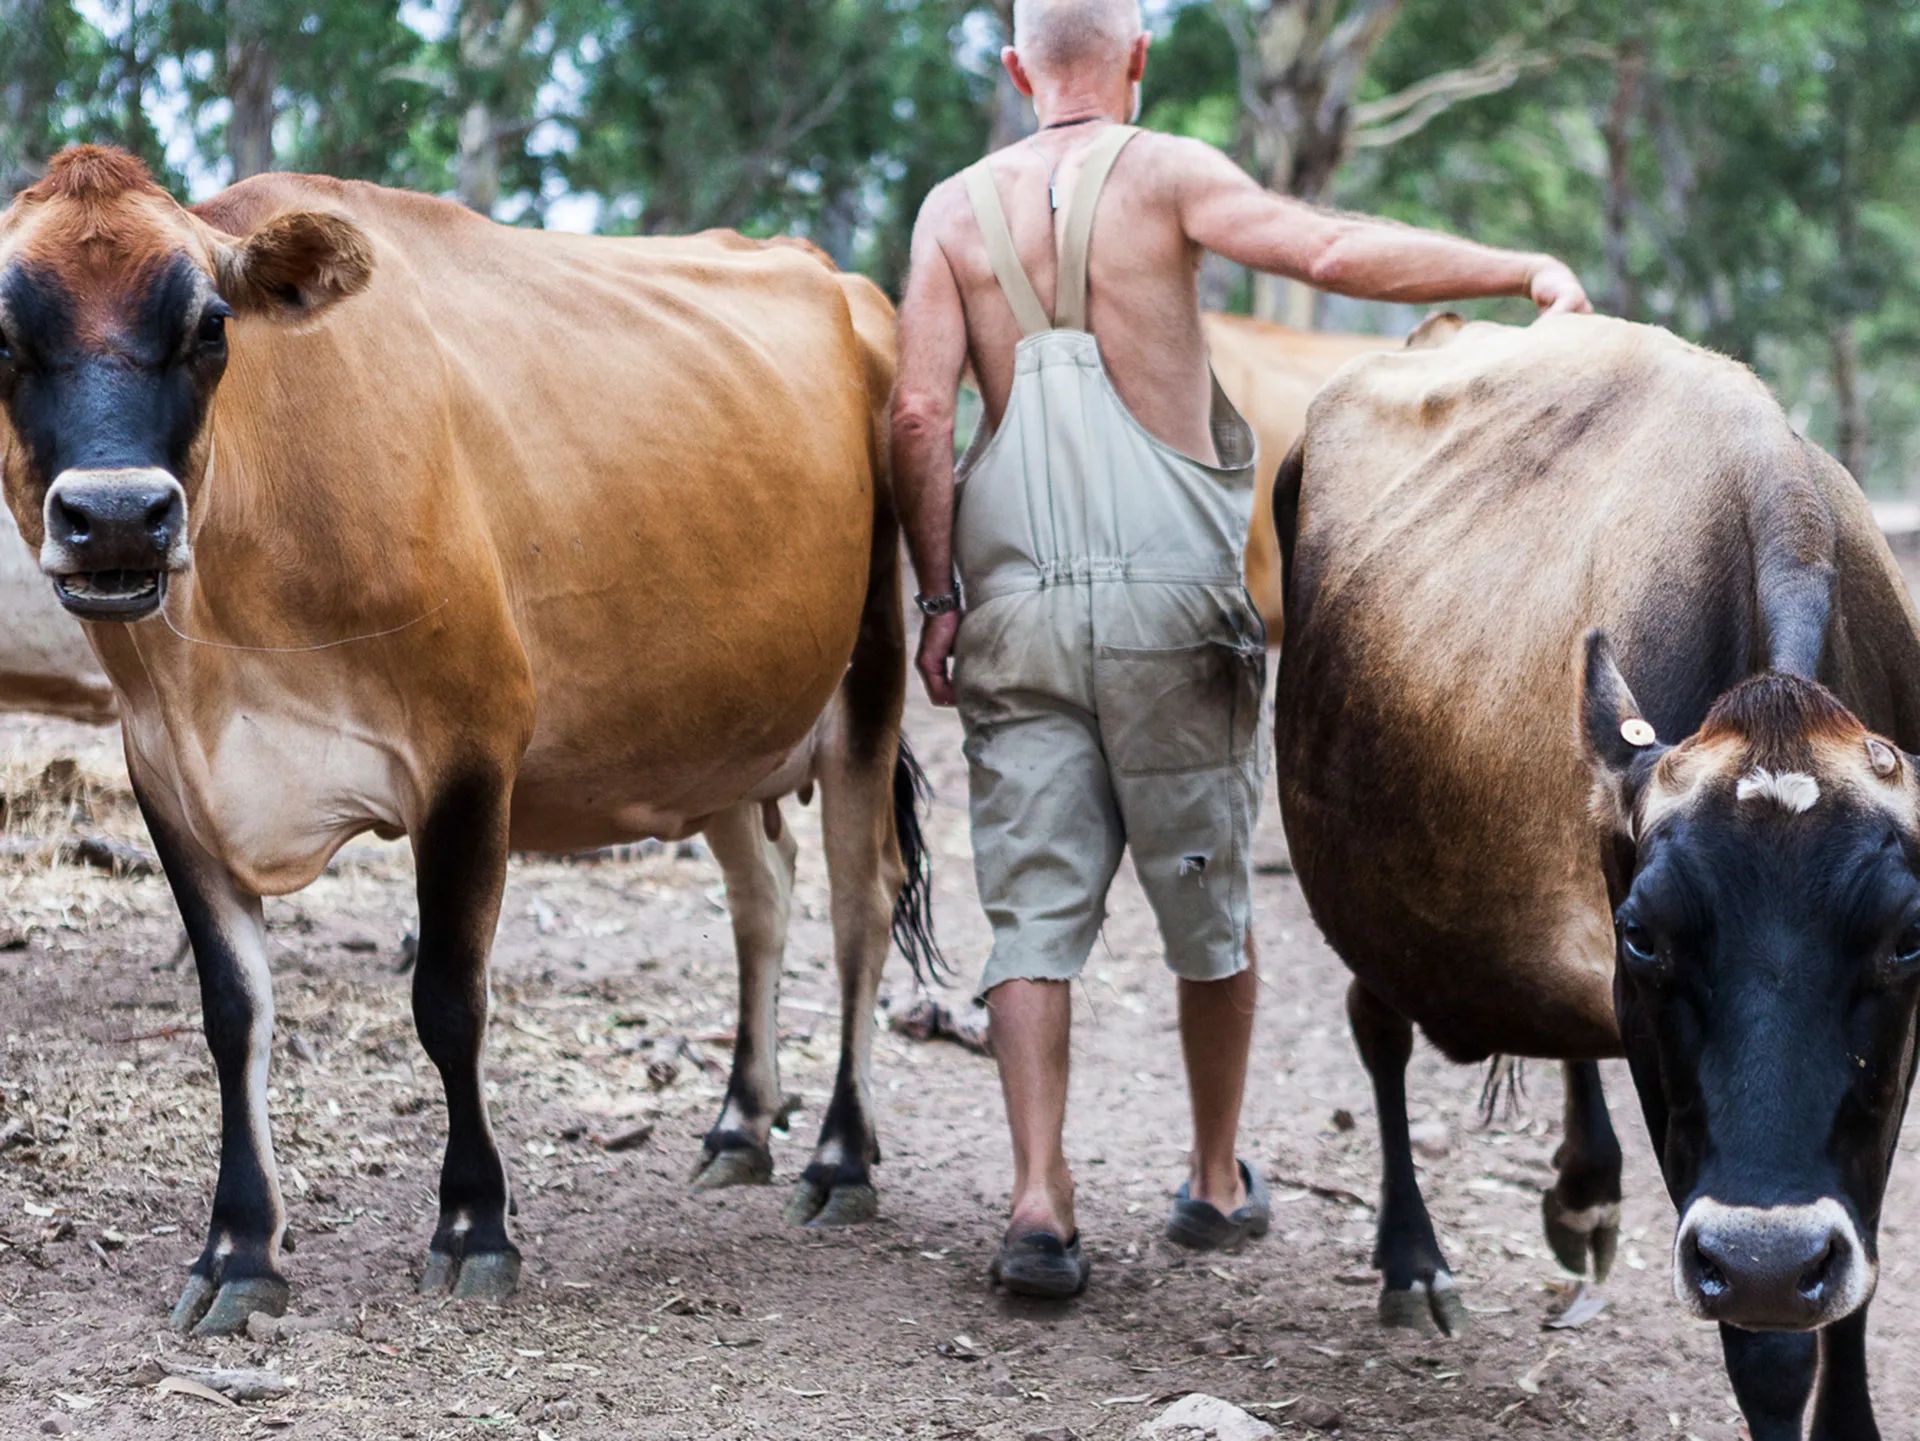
(109, 410)
(1768, 965)
(1767, 927)
(114, 310)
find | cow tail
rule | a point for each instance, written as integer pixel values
(913, 909)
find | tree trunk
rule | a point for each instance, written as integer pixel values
(251, 73)
(27, 78)
(1851, 436)
(1012, 118)
(491, 39)
(1301, 64)
(477, 167)
(1627, 69)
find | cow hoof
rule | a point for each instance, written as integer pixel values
(1576, 1236)
(848, 1205)
(484, 1276)
(735, 1166)
(820, 1204)
(441, 1272)
(206, 1308)
(1426, 1306)
(492, 1277)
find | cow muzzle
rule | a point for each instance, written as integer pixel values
(112, 539)
(1771, 1268)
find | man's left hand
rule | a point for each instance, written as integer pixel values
(1556, 289)
(936, 651)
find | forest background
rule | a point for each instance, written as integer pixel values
(1742, 171)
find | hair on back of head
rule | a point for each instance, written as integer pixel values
(1065, 34)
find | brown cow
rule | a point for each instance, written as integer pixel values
(487, 537)
(1271, 373)
(1492, 836)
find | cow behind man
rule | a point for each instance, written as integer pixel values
(483, 536)
(1744, 899)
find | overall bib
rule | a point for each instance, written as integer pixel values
(1111, 668)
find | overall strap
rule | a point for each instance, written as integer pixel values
(1070, 313)
(1007, 269)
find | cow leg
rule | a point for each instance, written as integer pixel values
(1772, 1375)
(864, 874)
(1843, 1409)
(759, 876)
(238, 1272)
(1417, 1284)
(1582, 1210)
(460, 857)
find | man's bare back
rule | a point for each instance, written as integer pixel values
(1143, 295)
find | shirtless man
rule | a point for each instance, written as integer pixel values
(1110, 667)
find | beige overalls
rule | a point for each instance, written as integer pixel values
(1111, 667)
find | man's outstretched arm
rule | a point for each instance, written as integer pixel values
(933, 357)
(1224, 210)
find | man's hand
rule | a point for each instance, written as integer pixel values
(1556, 289)
(936, 654)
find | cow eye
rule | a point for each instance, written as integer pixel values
(213, 328)
(1638, 943)
(1906, 948)
(6, 348)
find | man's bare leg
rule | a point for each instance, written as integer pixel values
(1032, 1022)
(1216, 1035)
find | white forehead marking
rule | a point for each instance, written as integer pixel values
(1795, 790)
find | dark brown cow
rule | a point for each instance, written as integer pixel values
(1518, 560)
(486, 537)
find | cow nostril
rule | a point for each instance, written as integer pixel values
(1813, 1280)
(1709, 1279)
(73, 520)
(160, 514)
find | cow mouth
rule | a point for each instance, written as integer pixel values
(112, 594)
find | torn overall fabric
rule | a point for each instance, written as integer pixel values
(1111, 668)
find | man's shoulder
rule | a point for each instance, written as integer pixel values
(944, 205)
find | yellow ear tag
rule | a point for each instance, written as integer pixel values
(1636, 732)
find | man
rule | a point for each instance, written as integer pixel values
(1110, 670)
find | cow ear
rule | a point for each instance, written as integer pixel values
(296, 265)
(1620, 745)
(1436, 330)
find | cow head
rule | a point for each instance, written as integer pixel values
(114, 303)
(1765, 874)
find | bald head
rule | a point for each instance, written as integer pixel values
(1057, 36)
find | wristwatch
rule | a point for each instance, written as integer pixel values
(931, 605)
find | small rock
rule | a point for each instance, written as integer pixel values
(57, 1425)
(1053, 1433)
(1320, 1415)
(263, 1329)
(1343, 1119)
(1210, 1346)
(662, 1072)
(1208, 1417)
(1004, 1389)
(1431, 1139)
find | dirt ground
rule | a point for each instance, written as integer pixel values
(650, 1312)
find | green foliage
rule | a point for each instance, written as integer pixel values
(814, 117)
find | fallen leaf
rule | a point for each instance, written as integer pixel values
(1586, 1304)
(181, 1386)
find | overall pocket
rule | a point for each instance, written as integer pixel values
(1178, 708)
